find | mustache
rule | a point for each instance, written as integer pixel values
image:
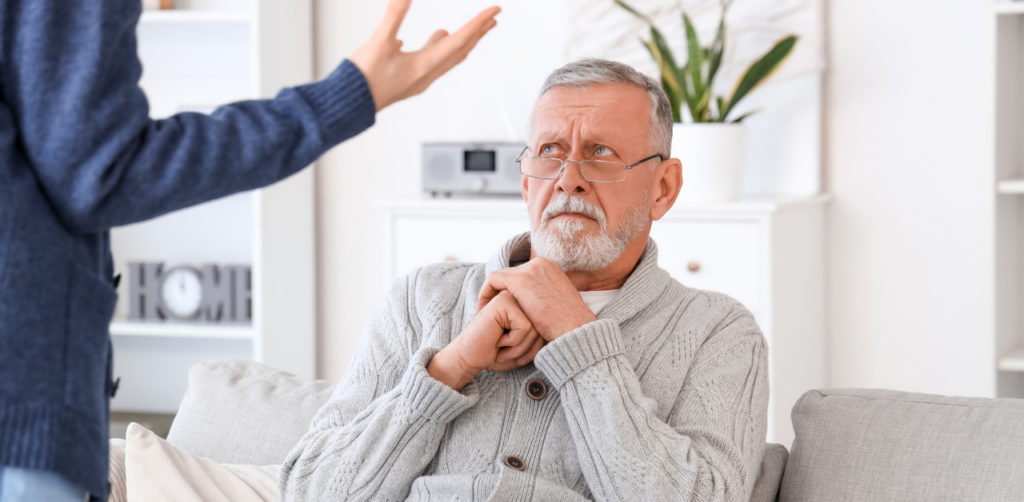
(579, 205)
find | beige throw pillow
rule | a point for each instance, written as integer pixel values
(158, 471)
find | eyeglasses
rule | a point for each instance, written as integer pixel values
(594, 171)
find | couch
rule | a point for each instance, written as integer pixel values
(851, 444)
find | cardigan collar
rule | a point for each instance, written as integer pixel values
(642, 287)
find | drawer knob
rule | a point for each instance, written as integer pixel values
(693, 266)
(450, 258)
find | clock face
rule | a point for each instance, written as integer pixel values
(182, 292)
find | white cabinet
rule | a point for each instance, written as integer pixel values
(720, 256)
(207, 53)
(768, 254)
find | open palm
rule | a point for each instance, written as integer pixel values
(394, 75)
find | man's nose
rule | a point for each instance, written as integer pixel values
(572, 181)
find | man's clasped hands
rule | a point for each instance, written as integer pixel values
(519, 311)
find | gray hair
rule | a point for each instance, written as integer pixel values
(592, 71)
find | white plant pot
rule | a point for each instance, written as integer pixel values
(713, 156)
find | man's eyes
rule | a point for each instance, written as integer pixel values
(600, 151)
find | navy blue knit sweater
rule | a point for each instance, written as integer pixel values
(79, 155)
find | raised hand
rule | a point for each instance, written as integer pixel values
(394, 75)
(543, 292)
(499, 338)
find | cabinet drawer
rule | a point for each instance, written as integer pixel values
(724, 254)
(420, 241)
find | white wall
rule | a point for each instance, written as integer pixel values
(505, 70)
(489, 97)
(908, 161)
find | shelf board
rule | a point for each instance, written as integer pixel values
(194, 16)
(1011, 186)
(182, 330)
(1009, 8)
(1012, 360)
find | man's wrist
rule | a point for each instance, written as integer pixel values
(447, 369)
(569, 325)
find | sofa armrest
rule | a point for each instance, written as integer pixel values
(769, 479)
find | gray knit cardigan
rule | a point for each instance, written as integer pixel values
(664, 397)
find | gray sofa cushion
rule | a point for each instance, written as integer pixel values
(242, 412)
(773, 463)
(858, 444)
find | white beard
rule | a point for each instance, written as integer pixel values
(559, 241)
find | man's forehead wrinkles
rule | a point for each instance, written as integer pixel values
(588, 133)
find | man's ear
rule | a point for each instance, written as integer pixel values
(524, 187)
(668, 181)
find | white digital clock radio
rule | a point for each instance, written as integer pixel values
(471, 168)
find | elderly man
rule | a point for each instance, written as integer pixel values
(570, 367)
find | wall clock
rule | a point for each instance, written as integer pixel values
(181, 292)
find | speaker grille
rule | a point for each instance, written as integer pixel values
(441, 167)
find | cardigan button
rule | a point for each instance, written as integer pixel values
(515, 463)
(536, 389)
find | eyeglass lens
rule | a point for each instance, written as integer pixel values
(593, 170)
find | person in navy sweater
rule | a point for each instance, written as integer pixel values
(79, 155)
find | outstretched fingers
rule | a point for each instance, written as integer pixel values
(436, 37)
(393, 17)
(455, 47)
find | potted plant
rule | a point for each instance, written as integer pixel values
(712, 145)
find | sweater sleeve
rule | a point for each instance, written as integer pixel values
(70, 73)
(385, 421)
(710, 447)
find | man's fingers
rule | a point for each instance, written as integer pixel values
(520, 349)
(436, 37)
(493, 285)
(393, 17)
(529, 356)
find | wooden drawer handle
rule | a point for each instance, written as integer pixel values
(693, 266)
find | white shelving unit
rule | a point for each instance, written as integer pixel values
(170, 330)
(194, 16)
(205, 54)
(1008, 22)
(1010, 8)
(1010, 186)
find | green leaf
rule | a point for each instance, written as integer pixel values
(633, 11)
(670, 72)
(667, 57)
(669, 81)
(716, 50)
(759, 71)
(745, 115)
(721, 105)
(687, 97)
(702, 106)
(696, 62)
(688, 94)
